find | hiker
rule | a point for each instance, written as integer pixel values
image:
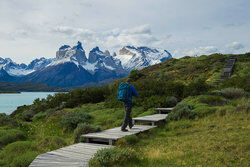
(124, 94)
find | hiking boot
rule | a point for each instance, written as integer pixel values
(124, 130)
(130, 127)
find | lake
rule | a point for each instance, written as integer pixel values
(9, 101)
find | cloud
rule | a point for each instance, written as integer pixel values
(143, 29)
(202, 50)
(235, 46)
(138, 36)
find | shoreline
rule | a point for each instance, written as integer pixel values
(7, 92)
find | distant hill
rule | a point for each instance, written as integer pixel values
(28, 87)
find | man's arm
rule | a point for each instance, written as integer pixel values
(134, 92)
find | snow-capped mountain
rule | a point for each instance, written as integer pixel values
(139, 57)
(15, 69)
(38, 64)
(97, 60)
(71, 66)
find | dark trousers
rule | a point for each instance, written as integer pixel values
(127, 119)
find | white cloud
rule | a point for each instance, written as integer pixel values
(109, 24)
(143, 29)
(235, 46)
(138, 36)
(202, 50)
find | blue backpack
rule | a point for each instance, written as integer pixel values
(123, 92)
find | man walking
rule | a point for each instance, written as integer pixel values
(125, 93)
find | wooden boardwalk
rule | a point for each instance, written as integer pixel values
(111, 135)
(77, 155)
(151, 119)
(164, 110)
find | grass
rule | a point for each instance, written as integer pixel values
(216, 136)
(47, 133)
(210, 141)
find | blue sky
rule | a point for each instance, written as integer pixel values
(37, 28)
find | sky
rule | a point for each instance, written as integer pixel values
(32, 29)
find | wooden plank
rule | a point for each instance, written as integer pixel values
(163, 110)
(74, 156)
(108, 134)
(167, 109)
(152, 118)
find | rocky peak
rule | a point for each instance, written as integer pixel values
(78, 46)
(107, 53)
(64, 47)
(125, 51)
(76, 53)
(95, 54)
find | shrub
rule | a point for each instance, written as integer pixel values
(171, 101)
(213, 100)
(203, 110)
(181, 111)
(233, 93)
(112, 156)
(215, 93)
(72, 119)
(135, 75)
(196, 87)
(7, 120)
(153, 101)
(24, 159)
(27, 115)
(52, 143)
(131, 139)
(13, 150)
(84, 128)
(9, 136)
(39, 115)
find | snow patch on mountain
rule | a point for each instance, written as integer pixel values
(18, 71)
(139, 57)
(90, 66)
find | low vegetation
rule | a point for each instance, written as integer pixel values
(209, 126)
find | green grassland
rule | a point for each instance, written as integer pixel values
(218, 138)
(208, 127)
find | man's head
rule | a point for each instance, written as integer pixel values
(129, 80)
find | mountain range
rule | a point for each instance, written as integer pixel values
(71, 67)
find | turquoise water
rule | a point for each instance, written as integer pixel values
(9, 102)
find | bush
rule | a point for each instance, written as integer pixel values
(39, 115)
(135, 75)
(215, 93)
(9, 136)
(72, 119)
(171, 101)
(153, 101)
(131, 139)
(112, 156)
(84, 128)
(196, 87)
(52, 143)
(233, 93)
(213, 100)
(181, 111)
(16, 149)
(24, 160)
(6, 120)
(27, 115)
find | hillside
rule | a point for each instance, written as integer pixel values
(28, 87)
(208, 127)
